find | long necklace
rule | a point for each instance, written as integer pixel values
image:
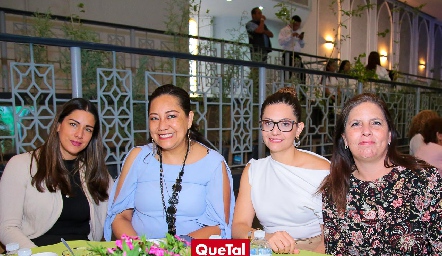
(176, 188)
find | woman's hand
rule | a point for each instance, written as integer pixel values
(282, 242)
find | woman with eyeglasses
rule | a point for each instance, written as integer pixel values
(281, 188)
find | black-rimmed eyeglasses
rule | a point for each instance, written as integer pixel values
(283, 126)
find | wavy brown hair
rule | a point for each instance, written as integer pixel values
(419, 120)
(336, 185)
(431, 128)
(51, 170)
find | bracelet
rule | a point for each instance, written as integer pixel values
(249, 234)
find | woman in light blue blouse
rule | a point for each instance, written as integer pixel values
(177, 184)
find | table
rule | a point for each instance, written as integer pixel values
(59, 248)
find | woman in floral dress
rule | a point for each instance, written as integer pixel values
(377, 201)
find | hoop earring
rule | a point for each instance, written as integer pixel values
(188, 139)
(297, 142)
(346, 147)
(154, 147)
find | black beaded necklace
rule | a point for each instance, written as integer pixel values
(173, 200)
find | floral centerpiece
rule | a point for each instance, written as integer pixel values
(131, 246)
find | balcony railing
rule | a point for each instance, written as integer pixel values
(42, 73)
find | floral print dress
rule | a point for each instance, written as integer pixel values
(398, 214)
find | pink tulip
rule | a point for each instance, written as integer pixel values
(119, 244)
(156, 251)
(129, 243)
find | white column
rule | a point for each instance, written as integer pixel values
(76, 72)
(414, 58)
(372, 31)
(393, 55)
(430, 50)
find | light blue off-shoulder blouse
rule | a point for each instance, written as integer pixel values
(200, 200)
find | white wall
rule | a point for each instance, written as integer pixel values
(142, 13)
(222, 22)
(318, 22)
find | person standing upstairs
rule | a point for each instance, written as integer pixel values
(259, 36)
(291, 40)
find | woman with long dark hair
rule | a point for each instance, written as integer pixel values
(344, 67)
(374, 65)
(176, 184)
(60, 190)
(377, 201)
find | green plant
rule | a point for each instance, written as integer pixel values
(360, 72)
(90, 59)
(139, 94)
(346, 16)
(6, 144)
(135, 246)
(75, 30)
(42, 28)
(236, 49)
(383, 33)
(284, 12)
(177, 25)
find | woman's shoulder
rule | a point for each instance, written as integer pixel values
(379, 67)
(206, 159)
(141, 151)
(424, 175)
(137, 154)
(425, 181)
(260, 160)
(314, 161)
(258, 164)
(23, 158)
(147, 148)
(206, 153)
(433, 146)
(20, 164)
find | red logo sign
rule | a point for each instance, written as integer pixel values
(220, 247)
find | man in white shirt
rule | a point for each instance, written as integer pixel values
(291, 40)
